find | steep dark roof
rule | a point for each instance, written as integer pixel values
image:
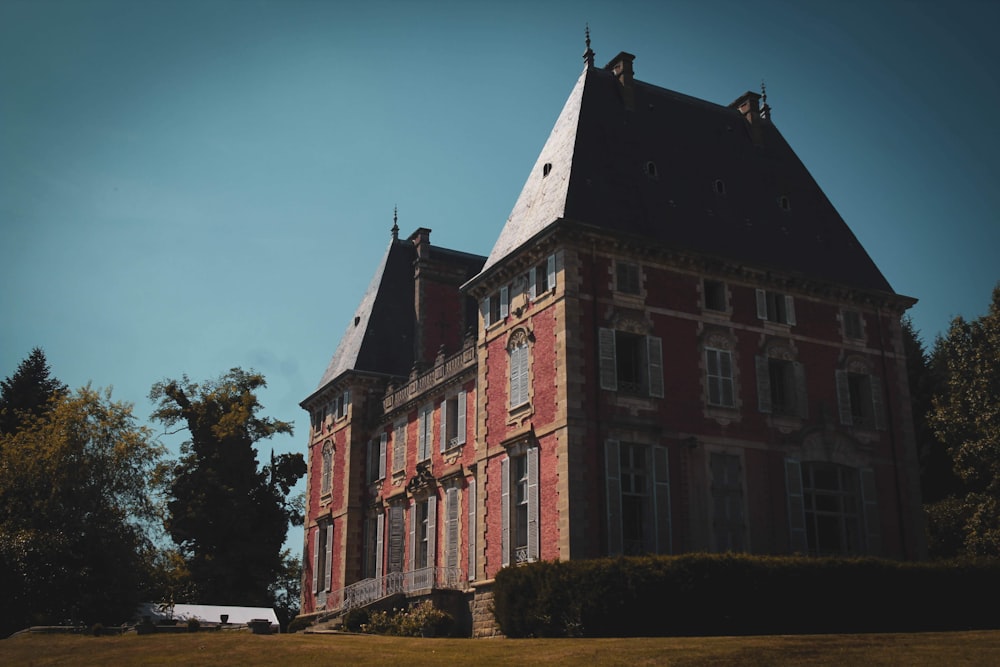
(595, 170)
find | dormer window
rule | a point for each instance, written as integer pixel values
(783, 203)
(720, 187)
(651, 171)
(546, 169)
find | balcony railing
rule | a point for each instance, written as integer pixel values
(371, 590)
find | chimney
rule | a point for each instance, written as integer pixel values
(422, 240)
(748, 105)
(621, 67)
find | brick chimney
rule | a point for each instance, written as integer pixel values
(621, 67)
(748, 105)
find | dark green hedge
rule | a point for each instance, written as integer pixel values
(708, 594)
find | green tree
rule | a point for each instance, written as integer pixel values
(966, 418)
(228, 515)
(28, 392)
(76, 510)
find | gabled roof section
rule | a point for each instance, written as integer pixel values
(633, 159)
(379, 337)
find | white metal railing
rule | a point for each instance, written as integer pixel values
(370, 590)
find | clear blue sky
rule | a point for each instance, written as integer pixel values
(188, 186)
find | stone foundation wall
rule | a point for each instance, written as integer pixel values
(481, 606)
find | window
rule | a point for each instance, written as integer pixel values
(340, 404)
(376, 458)
(496, 307)
(728, 522)
(638, 498)
(715, 295)
(720, 187)
(627, 278)
(327, 470)
(453, 413)
(542, 278)
(546, 169)
(423, 516)
(719, 371)
(775, 307)
(424, 433)
(399, 447)
(631, 363)
(319, 420)
(853, 327)
(517, 350)
(396, 538)
(651, 171)
(832, 508)
(859, 395)
(781, 385)
(519, 507)
(374, 527)
(322, 556)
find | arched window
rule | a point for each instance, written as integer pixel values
(325, 483)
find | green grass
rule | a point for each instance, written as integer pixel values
(229, 648)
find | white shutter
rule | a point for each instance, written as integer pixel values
(877, 407)
(532, 289)
(316, 568)
(763, 384)
(383, 441)
(796, 507)
(609, 365)
(504, 301)
(379, 542)
(396, 530)
(461, 417)
(869, 497)
(761, 304)
(432, 531)
(444, 425)
(789, 309)
(801, 397)
(451, 553)
(328, 565)
(533, 545)
(484, 308)
(515, 376)
(551, 270)
(612, 476)
(413, 536)
(505, 512)
(423, 450)
(661, 504)
(472, 528)
(844, 398)
(654, 356)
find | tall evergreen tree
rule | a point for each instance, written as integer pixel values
(28, 392)
(228, 515)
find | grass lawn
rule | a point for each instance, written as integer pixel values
(230, 648)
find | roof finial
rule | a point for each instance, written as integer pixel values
(395, 223)
(765, 111)
(588, 55)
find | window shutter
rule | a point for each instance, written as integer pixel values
(523, 361)
(789, 309)
(763, 384)
(609, 368)
(654, 349)
(422, 449)
(761, 304)
(533, 545)
(472, 528)
(877, 407)
(379, 542)
(612, 474)
(796, 507)
(515, 376)
(661, 484)
(316, 564)
(383, 441)
(432, 531)
(726, 392)
(347, 402)
(328, 565)
(413, 536)
(551, 270)
(532, 290)
(504, 301)
(844, 398)
(396, 538)
(399, 447)
(444, 425)
(484, 308)
(451, 555)
(505, 512)
(869, 496)
(801, 397)
(461, 417)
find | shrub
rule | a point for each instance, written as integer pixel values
(193, 625)
(354, 619)
(97, 629)
(423, 619)
(299, 623)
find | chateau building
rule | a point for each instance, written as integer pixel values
(676, 344)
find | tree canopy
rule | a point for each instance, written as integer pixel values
(75, 510)
(28, 392)
(228, 514)
(966, 418)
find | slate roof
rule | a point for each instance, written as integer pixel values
(599, 152)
